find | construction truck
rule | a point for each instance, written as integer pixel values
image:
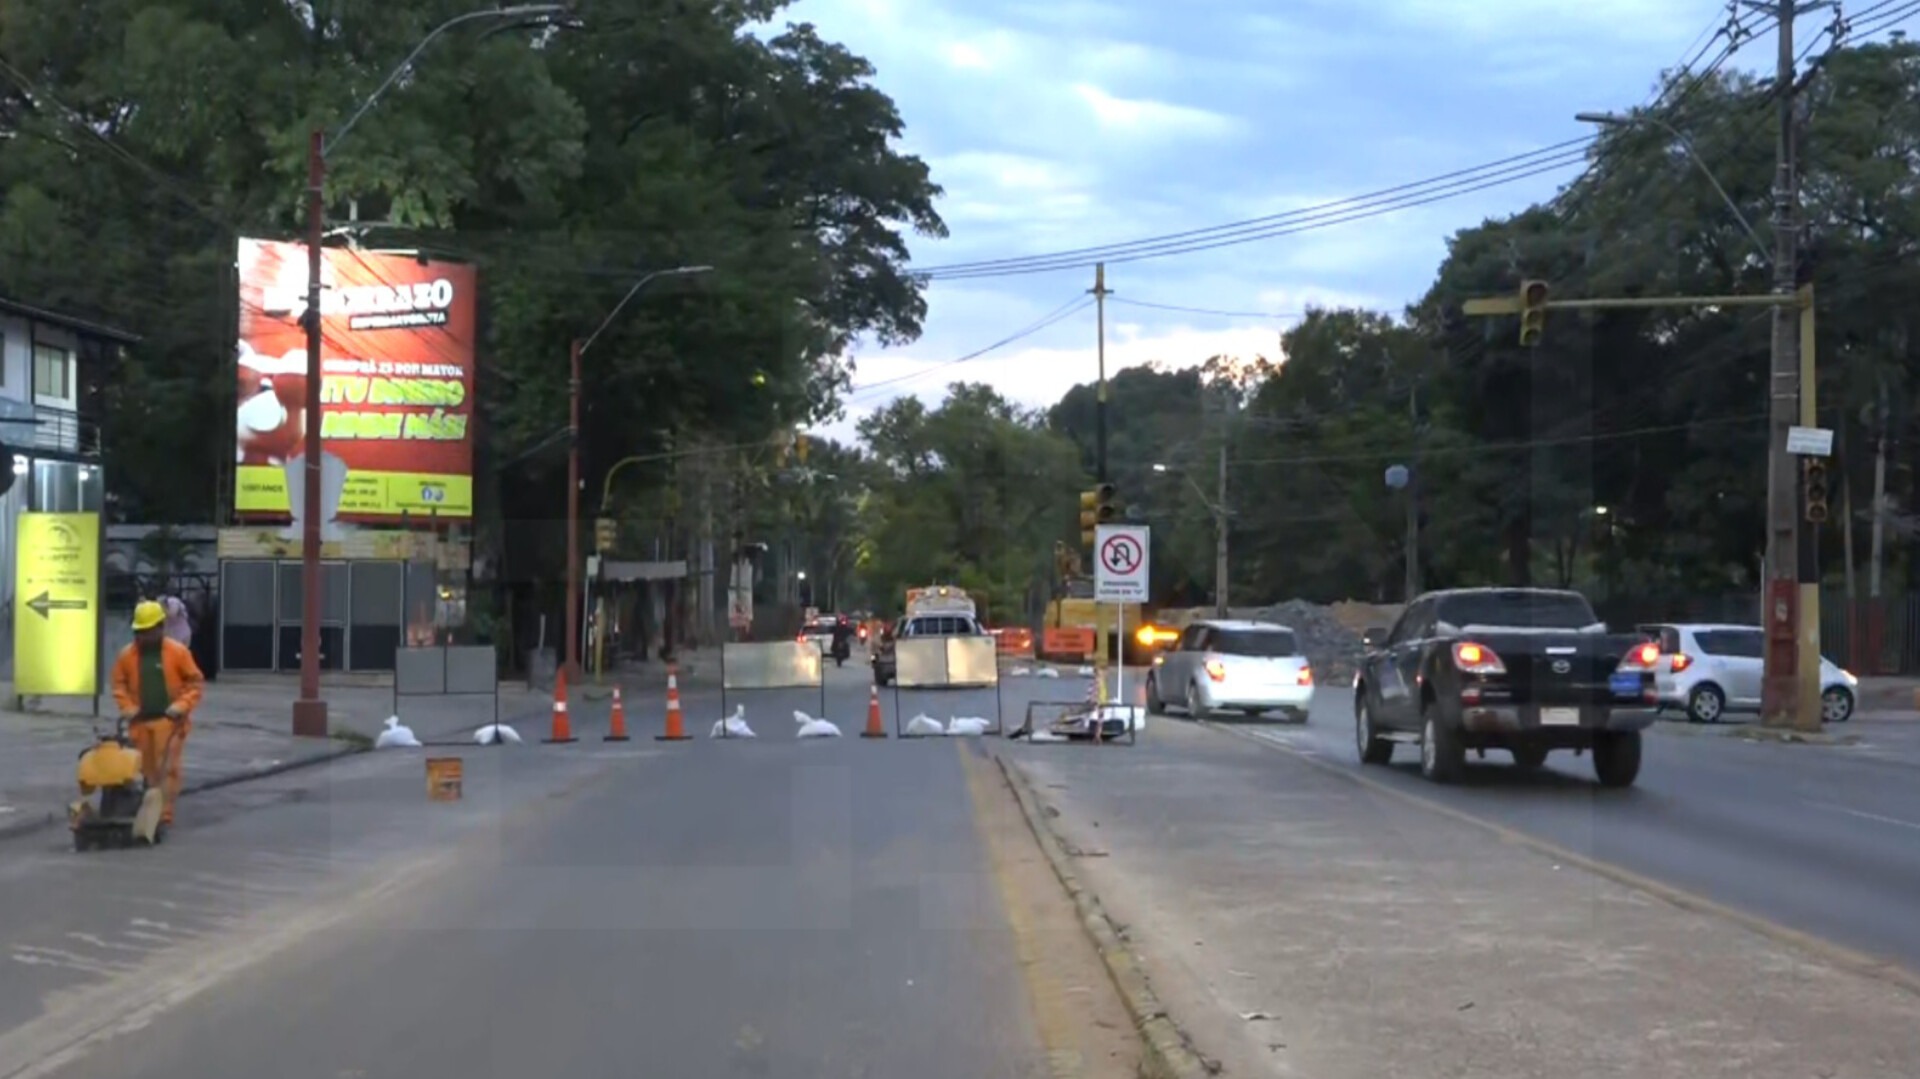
(1073, 608)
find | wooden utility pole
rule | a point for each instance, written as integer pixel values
(1792, 600)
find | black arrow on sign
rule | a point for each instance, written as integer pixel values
(44, 604)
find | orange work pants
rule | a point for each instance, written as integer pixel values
(162, 744)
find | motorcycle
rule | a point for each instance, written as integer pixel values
(841, 650)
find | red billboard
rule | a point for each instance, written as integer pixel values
(396, 366)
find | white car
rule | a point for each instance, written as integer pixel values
(1220, 665)
(1708, 670)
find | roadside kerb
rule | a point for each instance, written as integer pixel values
(35, 823)
(1168, 1053)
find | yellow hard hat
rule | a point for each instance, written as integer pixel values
(148, 615)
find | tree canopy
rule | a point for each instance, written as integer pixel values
(139, 138)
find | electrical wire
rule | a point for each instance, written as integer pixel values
(1067, 310)
(1285, 316)
(1356, 208)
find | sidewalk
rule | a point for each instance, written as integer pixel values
(240, 732)
(1293, 923)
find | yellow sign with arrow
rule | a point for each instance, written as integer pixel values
(56, 612)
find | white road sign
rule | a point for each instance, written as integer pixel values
(1120, 563)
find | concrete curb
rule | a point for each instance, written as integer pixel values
(32, 824)
(1168, 1053)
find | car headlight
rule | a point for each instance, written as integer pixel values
(1847, 676)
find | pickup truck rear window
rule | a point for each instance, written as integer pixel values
(1517, 607)
(1259, 643)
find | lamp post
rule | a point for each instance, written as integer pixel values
(1217, 506)
(309, 710)
(578, 350)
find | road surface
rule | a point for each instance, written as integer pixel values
(826, 908)
(1823, 839)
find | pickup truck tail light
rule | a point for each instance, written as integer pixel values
(1216, 670)
(1306, 676)
(1475, 658)
(1641, 657)
(1681, 661)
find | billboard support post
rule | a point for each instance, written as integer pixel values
(310, 710)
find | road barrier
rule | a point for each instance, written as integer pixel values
(1073, 720)
(446, 670)
(929, 663)
(1014, 641)
(767, 665)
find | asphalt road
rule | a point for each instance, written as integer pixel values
(1822, 839)
(771, 908)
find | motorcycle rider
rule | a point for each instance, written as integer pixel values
(842, 639)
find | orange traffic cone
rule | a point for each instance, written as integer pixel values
(562, 725)
(617, 724)
(676, 728)
(874, 729)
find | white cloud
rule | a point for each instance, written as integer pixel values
(1143, 116)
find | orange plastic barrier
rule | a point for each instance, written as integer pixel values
(1067, 641)
(1014, 641)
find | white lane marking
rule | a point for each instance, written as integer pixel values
(1895, 821)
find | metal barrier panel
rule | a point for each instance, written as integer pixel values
(471, 669)
(420, 672)
(770, 665)
(972, 661)
(920, 662)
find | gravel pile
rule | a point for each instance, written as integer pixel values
(1333, 649)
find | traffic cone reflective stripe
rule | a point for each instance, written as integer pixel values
(562, 723)
(874, 729)
(617, 723)
(676, 727)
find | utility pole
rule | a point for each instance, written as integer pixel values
(1879, 492)
(1100, 292)
(1413, 497)
(310, 710)
(570, 663)
(1220, 519)
(1792, 564)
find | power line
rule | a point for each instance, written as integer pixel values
(1358, 207)
(1276, 315)
(1067, 310)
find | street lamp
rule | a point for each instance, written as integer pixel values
(1218, 507)
(579, 349)
(309, 710)
(1608, 119)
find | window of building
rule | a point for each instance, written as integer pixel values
(52, 372)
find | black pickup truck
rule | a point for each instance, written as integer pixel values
(1526, 670)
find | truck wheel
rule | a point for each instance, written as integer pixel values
(1373, 749)
(1616, 758)
(1442, 757)
(1529, 756)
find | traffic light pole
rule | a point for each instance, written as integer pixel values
(1791, 615)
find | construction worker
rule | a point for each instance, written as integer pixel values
(157, 685)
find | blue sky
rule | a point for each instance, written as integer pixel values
(1064, 124)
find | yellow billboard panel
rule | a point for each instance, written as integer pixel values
(56, 605)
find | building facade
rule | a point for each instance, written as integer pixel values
(52, 369)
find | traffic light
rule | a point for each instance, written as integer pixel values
(1097, 507)
(1813, 475)
(1533, 312)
